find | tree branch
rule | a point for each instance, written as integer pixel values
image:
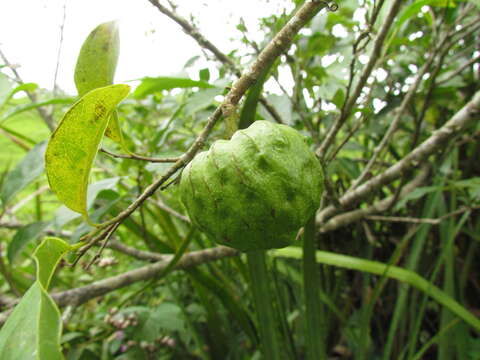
(208, 45)
(396, 121)
(470, 112)
(459, 70)
(350, 102)
(82, 294)
(350, 217)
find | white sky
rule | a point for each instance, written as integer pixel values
(151, 44)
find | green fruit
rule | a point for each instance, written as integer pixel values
(254, 191)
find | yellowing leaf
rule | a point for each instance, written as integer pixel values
(96, 66)
(98, 58)
(114, 131)
(74, 144)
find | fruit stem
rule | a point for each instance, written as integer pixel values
(314, 315)
(262, 296)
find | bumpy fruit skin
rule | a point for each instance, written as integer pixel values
(254, 191)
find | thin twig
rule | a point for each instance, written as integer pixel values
(404, 219)
(459, 70)
(140, 157)
(350, 102)
(169, 210)
(27, 199)
(16, 140)
(396, 121)
(350, 217)
(444, 45)
(136, 253)
(57, 66)
(102, 247)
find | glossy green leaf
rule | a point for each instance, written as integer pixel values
(24, 173)
(151, 85)
(23, 236)
(74, 144)
(96, 65)
(33, 329)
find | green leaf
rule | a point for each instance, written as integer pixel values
(152, 322)
(204, 74)
(249, 109)
(200, 100)
(22, 87)
(23, 236)
(389, 271)
(114, 131)
(33, 329)
(97, 61)
(22, 108)
(25, 172)
(74, 144)
(416, 194)
(96, 65)
(151, 85)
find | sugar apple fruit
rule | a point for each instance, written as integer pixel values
(254, 191)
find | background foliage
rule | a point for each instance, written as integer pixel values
(386, 96)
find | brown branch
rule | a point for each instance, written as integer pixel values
(171, 211)
(136, 253)
(413, 220)
(98, 288)
(197, 36)
(208, 45)
(356, 215)
(82, 294)
(140, 157)
(459, 70)
(16, 140)
(466, 115)
(16, 225)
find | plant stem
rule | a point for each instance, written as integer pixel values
(262, 292)
(314, 315)
(393, 272)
